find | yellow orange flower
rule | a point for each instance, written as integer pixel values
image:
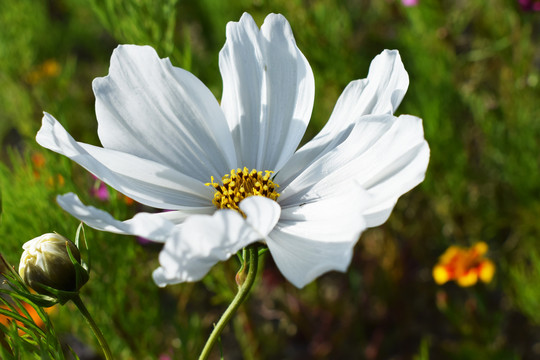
(464, 265)
(49, 68)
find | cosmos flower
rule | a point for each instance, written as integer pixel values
(465, 266)
(231, 171)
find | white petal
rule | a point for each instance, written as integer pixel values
(151, 109)
(268, 91)
(399, 164)
(316, 237)
(310, 159)
(204, 240)
(301, 262)
(149, 226)
(177, 217)
(391, 189)
(380, 93)
(261, 213)
(378, 212)
(388, 156)
(145, 181)
(327, 213)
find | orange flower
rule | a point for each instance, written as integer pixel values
(129, 201)
(464, 265)
(5, 319)
(38, 160)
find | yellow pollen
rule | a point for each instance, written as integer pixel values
(240, 184)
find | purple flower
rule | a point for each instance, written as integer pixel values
(529, 5)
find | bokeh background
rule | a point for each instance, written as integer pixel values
(474, 70)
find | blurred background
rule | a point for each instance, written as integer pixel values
(474, 70)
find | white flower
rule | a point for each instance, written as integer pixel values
(167, 142)
(45, 261)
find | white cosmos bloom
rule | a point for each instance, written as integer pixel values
(165, 137)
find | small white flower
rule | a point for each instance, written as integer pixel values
(45, 261)
(167, 142)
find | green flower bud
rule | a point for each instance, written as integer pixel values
(46, 261)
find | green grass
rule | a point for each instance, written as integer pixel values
(475, 82)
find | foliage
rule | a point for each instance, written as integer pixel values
(27, 332)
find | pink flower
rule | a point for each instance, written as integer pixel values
(99, 190)
(529, 5)
(409, 2)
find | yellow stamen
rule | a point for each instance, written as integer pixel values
(240, 184)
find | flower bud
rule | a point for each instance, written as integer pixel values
(46, 261)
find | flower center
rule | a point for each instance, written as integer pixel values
(240, 184)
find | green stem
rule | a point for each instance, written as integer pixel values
(101, 339)
(243, 291)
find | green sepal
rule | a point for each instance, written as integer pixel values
(18, 286)
(80, 230)
(58, 296)
(263, 250)
(241, 274)
(82, 274)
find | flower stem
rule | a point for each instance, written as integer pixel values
(243, 291)
(101, 339)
